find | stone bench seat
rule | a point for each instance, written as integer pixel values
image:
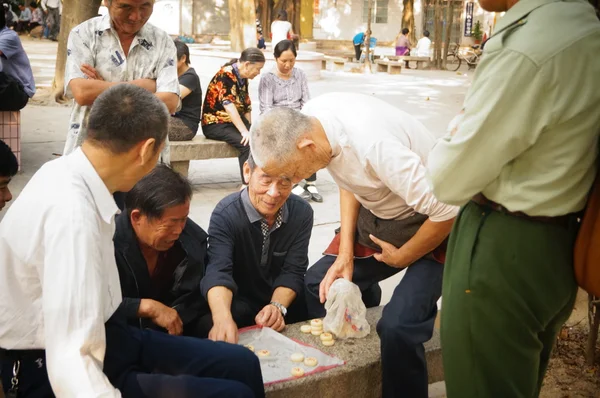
(391, 67)
(338, 62)
(199, 148)
(360, 377)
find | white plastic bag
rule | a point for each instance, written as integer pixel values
(346, 312)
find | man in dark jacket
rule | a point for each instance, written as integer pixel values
(161, 255)
(258, 255)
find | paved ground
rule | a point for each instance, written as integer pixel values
(433, 97)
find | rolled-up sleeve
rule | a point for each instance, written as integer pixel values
(296, 259)
(504, 112)
(78, 53)
(166, 79)
(403, 172)
(219, 269)
(74, 284)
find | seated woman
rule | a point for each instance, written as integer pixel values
(184, 124)
(403, 43)
(161, 255)
(287, 86)
(227, 107)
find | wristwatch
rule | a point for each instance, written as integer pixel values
(280, 307)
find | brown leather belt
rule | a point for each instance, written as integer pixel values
(563, 221)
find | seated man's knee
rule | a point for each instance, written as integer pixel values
(392, 329)
(372, 296)
(236, 389)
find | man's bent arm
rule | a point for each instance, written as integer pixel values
(349, 208)
(74, 290)
(85, 91)
(171, 100)
(429, 236)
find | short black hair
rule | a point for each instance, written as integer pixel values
(426, 33)
(159, 190)
(8, 161)
(182, 49)
(283, 46)
(125, 115)
(282, 15)
(33, 4)
(405, 31)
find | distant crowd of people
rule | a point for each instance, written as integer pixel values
(45, 13)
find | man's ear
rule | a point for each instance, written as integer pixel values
(135, 217)
(147, 151)
(305, 142)
(247, 173)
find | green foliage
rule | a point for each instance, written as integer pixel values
(477, 32)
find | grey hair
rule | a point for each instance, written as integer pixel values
(274, 136)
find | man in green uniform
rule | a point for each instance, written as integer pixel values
(520, 159)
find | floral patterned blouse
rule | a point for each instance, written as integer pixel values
(226, 87)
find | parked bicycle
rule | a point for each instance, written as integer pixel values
(455, 57)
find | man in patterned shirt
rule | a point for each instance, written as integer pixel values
(118, 48)
(257, 257)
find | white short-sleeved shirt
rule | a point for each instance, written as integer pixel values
(59, 281)
(152, 56)
(279, 30)
(379, 154)
(423, 47)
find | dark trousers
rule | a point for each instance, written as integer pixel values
(12, 94)
(230, 134)
(509, 288)
(54, 22)
(407, 321)
(244, 312)
(357, 51)
(146, 363)
(312, 178)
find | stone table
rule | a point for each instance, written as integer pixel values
(360, 376)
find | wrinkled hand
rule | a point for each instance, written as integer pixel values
(167, 318)
(224, 329)
(388, 253)
(90, 72)
(245, 138)
(343, 267)
(270, 317)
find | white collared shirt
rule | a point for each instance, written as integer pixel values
(379, 154)
(51, 4)
(152, 56)
(59, 282)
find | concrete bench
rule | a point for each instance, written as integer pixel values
(360, 377)
(338, 63)
(422, 62)
(200, 148)
(391, 67)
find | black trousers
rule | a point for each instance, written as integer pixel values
(147, 363)
(230, 134)
(357, 51)
(244, 312)
(12, 94)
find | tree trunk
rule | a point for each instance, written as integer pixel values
(367, 65)
(449, 21)
(242, 19)
(74, 13)
(438, 16)
(408, 19)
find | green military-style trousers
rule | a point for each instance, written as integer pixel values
(508, 288)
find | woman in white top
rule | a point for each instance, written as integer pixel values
(281, 29)
(286, 86)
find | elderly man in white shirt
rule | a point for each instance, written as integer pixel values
(60, 331)
(118, 47)
(390, 219)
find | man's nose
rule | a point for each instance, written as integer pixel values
(135, 16)
(273, 191)
(6, 195)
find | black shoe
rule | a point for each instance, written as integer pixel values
(302, 192)
(314, 193)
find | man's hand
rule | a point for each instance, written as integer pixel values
(161, 315)
(224, 329)
(343, 267)
(388, 253)
(90, 72)
(270, 317)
